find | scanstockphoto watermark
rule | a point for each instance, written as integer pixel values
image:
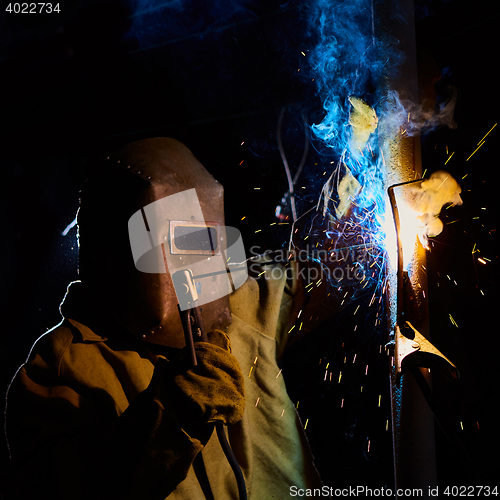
(343, 266)
(357, 492)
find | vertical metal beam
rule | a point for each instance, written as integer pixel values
(413, 421)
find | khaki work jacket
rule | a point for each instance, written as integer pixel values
(86, 418)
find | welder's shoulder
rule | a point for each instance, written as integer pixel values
(49, 349)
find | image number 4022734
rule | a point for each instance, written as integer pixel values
(33, 8)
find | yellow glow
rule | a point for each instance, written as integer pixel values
(410, 232)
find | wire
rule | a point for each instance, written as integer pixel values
(242, 491)
(287, 168)
(292, 182)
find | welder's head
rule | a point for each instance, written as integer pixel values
(147, 211)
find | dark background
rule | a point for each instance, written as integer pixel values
(216, 76)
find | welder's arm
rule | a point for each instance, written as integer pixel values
(65, 446)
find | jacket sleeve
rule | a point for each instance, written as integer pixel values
(65, 445)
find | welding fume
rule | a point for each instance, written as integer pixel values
(166, 335)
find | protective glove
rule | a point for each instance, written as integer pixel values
(212, 391)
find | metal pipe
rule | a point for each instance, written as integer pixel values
(413, 422)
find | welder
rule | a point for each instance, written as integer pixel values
(107, 404)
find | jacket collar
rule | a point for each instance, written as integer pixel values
(87, 335)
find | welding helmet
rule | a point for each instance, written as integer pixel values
(150, 212)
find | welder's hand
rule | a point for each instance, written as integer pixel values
(212, 391)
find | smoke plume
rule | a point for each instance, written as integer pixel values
(430, 197)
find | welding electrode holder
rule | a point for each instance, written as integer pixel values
(413, 351)
(194, 331)
(399, 242)
(411, 348)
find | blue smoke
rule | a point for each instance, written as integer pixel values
(349, 60)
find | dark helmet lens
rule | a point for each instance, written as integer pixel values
(195, 239)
